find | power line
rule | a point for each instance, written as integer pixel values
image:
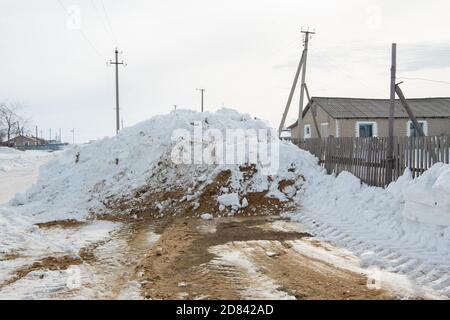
(108, 21)
(424, 79)
(101, 17)
(83, 34)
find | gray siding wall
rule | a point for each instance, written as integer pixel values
(347, 127)
(436, 127)
(322, 117)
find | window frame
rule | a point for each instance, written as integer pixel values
(374, 125)
(324, 124)
(307, 136)
(409, 124)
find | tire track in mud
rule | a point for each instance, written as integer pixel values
(227, 258)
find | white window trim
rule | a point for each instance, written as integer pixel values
(409, 123)
(307, 136)
(323, 124)
(375, 127)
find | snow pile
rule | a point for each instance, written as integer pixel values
(404, 228)
(97, 177)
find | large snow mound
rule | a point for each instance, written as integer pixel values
(86, 178)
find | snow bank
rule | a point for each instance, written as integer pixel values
(404, 228)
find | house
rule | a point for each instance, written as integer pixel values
(24, 141)
(353, 117)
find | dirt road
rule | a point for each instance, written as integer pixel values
(225, 258)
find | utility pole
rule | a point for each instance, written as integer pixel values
(202, 91)
(301, 65)
(390, 146)
(73, 135)
(117, 63)
(305, 58)
(37, 141)
(60, 138)
(49, 134)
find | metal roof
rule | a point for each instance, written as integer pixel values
(350, 108)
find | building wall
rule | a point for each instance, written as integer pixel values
(348, 127)
(435, 127)
(21, 141)
(322, 117)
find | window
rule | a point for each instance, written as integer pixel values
(411, 130)
(307, 132)
(366, 129)
(324, 130)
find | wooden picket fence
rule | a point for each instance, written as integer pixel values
(366, 158)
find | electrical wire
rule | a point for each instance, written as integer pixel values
(102, 18)
(83, 34)
(108, 21)
(425, 79)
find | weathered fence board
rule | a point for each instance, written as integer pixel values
(366, 158)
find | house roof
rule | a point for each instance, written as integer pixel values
(358, 108)
(33, 139)
(350, 108)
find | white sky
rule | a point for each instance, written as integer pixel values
(243, 52)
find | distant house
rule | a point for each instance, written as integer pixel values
(351, 117)
(24, 141)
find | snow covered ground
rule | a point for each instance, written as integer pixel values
(19, 170)
(404, 228)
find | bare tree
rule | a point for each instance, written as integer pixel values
(10, 122)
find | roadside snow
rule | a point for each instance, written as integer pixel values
(19, 170)
(404, 228)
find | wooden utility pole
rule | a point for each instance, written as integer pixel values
(117, 63)
(301, 65)
(390, 146)
(202, 92)
(37, 141)
(302, 87)
(313, 112)
(411, 115)
(291, 95)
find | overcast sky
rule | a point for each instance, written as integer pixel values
(243, 52)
